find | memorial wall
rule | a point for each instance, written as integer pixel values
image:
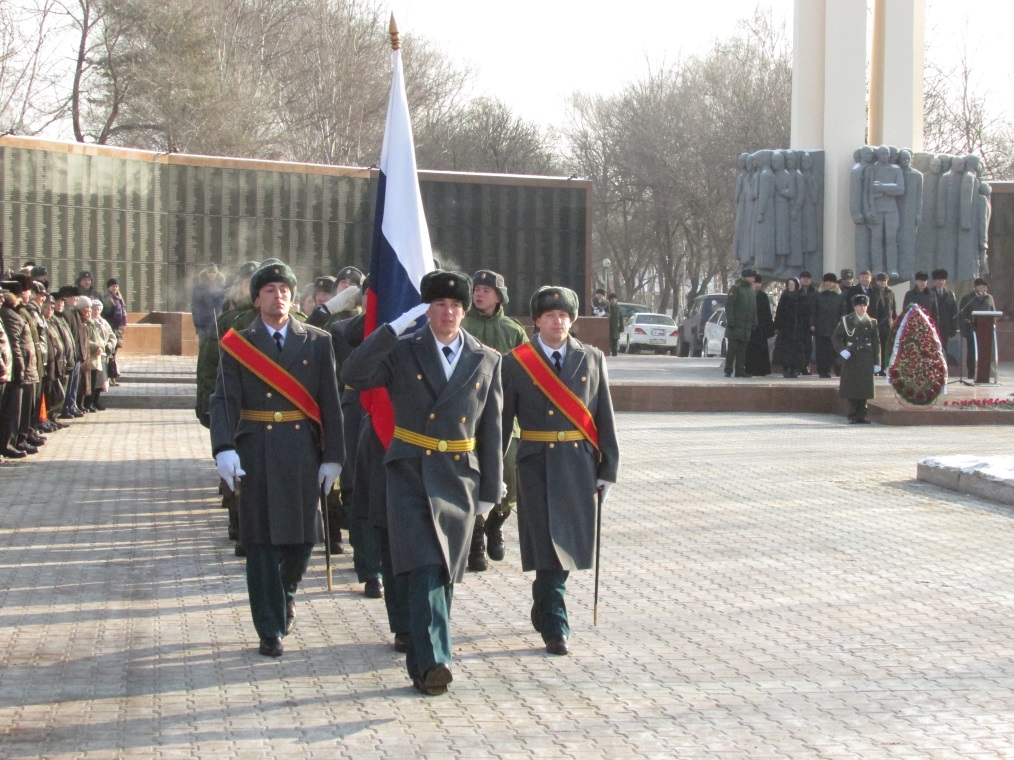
(154, 220)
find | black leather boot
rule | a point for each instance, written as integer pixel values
(477, 552)
(494, 533)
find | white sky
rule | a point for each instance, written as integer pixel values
(533, 53)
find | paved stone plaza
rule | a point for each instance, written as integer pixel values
(773, 586)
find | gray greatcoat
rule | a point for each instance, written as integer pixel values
(280, 497)
(862, 339)
(556, 481)
(432, 496)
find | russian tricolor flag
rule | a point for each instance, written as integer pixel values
(401, 252)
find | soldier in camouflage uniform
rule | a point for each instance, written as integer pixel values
(487, 323)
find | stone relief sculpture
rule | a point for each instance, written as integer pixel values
(982, 214)
(779, 211)
(860, 206)
(886, 186)
(912, 211)
(910, 206)
(795, 209)
(764, 229)
(949, 235)
(784, 192)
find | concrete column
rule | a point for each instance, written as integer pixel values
(903, 60)
(844, 120)
(807, 124)
(878, 48)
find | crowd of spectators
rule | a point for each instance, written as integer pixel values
(57, 354)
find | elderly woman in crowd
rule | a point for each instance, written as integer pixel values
(101, 344)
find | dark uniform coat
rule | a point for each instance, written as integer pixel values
(862, 339)
(432, 495)
(556, 481)
(280, 497)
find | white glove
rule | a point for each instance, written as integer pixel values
(484, 508)
(328, 473)
(503, 489)
(406, 320)
(846, 354)
(876, 368)
(603, 486)
(344, 300)
(227, 463)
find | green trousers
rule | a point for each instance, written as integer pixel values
(273, 574)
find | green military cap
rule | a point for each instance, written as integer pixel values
(551, 297)
(268, 273)
(440, 284)
(493, 280)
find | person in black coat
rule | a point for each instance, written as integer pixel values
(792, 325)
(809, 293)
(878, 309)
(826, 310)
(947, 308)
(758, 357)
(921, 295)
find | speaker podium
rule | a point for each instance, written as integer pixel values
(984, 343)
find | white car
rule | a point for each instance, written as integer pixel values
(650, 332)
(714, 340)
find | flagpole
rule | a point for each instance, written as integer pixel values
(393, 31)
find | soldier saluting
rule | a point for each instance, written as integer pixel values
(277, 423)
(558, 389)
(444, 464)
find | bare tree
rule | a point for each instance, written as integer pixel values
(486, 136)
(960, 119)
(663, 156)
(28, 71)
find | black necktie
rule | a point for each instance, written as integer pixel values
(556, 362)
(278, 341)
(447, 353)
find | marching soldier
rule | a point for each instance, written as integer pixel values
(277, 423)
(558, 389)
(444, 463)
(857, 341)
(486, 322)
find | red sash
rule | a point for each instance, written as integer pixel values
(267, 370)
(563, 397)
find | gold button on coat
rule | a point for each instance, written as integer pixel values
(268, 394)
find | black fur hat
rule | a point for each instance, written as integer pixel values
(440, 284)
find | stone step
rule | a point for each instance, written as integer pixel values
(989, 478)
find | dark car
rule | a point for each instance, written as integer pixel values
(696, 316)
(630, 309)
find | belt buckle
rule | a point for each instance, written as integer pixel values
(441, 445)
(561, 436)
(277, 416)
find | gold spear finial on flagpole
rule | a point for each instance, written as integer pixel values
(393, 30)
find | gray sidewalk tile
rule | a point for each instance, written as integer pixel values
(772, 586)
